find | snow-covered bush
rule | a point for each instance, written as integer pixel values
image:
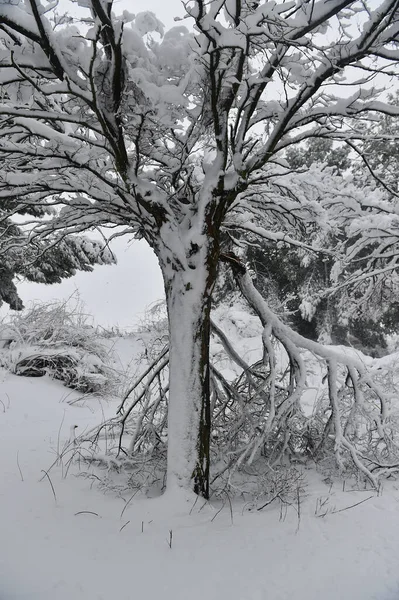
(57, 339)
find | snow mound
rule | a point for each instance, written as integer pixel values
(58, 340)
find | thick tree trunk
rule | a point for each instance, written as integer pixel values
(188, 295)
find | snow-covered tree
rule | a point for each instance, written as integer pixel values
(288, 277)
(45, 261)
(180, 136)
(320, 150)
(378, 152)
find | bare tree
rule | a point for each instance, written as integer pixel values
(172, 139)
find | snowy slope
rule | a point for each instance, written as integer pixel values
(49, 552)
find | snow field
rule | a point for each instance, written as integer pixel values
(56, 549)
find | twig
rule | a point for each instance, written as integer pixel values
(51, 483)
(86, 512)
(195, 502)
(269, 502)
(320, 503)
(351, 506)
(142, 377)
(222, 507)
(203, 505)
(333, 512)
(127, 503)
(231, 509)
(59, 436)
(170, 539)
(219, 511)
(19, 468)
(123, 526)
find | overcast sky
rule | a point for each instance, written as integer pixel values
(118, 294)
(165, 10)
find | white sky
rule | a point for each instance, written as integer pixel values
(117, 294)
(165, 10)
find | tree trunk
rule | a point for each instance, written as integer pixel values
(188, 294)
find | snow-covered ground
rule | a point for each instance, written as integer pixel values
(68, 539)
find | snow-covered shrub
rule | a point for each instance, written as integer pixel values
(57, 339)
